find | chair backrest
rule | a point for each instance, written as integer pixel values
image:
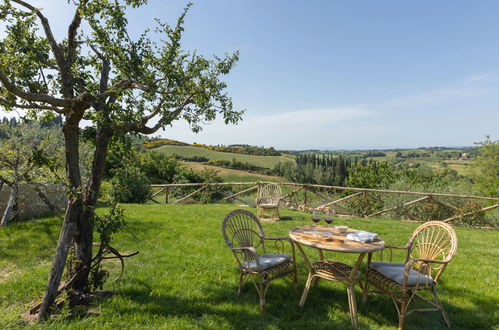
(241, 228)
(433, 240)
(270, 193)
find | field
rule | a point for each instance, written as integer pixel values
(189, 151)
(230, 175)
(185, 277)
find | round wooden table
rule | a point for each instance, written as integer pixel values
(331, 239)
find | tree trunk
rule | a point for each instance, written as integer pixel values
(11, 206)
(84, 233)
(71, 218)
(65, 238)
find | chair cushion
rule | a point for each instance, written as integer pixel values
(267, 261)
(395, 272)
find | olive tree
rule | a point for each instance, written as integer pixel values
(29, 156)
(118, 83)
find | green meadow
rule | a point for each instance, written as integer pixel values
(190, 151)
(185, 277)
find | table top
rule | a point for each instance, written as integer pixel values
(331, 239)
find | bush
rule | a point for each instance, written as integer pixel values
(130, 185)
(447, 182)
(471, 214)
(157, 166)
(364, 205)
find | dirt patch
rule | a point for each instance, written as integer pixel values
(7, 272)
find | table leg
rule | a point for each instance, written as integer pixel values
(352, 303)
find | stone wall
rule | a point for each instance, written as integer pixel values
(29, 204)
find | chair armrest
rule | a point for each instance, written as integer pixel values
(249, 253)
(391, 248)
(276, 238)
(405, 247)
(287, 239)
(413, 260)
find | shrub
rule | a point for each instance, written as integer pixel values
(471, 214)
(364, 205)
(130, 185)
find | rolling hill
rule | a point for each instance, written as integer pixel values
(190, 151)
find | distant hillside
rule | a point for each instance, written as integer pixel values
(241, 149)
(156, 143)
(191, 152)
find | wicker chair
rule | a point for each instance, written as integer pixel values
(243, 233)
(429, 250)
(268, 199)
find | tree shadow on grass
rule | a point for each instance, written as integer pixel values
(380, 308)
(326, 307)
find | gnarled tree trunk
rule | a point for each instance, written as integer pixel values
(84, 232)
(72, 216)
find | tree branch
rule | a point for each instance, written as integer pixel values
(32, 106)
(56, 50)
(33, 97)
(142, 128)
(72, 33)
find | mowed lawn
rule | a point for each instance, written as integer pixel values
(185, 277)
(190, 151)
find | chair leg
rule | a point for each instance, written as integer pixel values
(277, 213)
(403, 308)
(241, 282)
(305, 291)
(295, 279)
(353, 306)
(316, 281)
(262, 290)
(444, 314)
(365, 289)
(261, 295)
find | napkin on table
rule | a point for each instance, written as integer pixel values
(363, 236)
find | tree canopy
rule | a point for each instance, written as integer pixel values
(118, 83)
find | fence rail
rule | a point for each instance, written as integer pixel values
(300, 197)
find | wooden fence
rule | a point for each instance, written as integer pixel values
(328, 198)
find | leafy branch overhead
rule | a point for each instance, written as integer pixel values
(105, 76)
(100, 73)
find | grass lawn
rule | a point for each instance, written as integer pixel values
(185, 277)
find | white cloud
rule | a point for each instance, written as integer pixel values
(295, 129)
(434, 97)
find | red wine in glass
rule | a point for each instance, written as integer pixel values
(329, 220)
(316, 219)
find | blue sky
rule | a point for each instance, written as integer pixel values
(343, 74)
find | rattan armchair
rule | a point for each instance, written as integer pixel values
(244, 235)
(429, 250)
(269, 196)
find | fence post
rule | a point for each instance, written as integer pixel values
(167, 192)
(305, 194)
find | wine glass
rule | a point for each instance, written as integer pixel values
(316, 216)
(329, 220)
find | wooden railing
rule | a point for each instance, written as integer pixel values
(332, 198)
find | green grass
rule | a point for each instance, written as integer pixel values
(231, 175)
(185, 277)
(189, 151)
